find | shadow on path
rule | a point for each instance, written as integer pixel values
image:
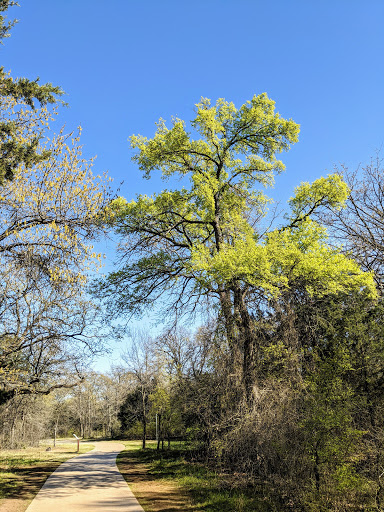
(87, 482)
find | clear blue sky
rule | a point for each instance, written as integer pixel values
(124, 64)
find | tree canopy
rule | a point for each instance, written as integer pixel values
(205, 241)
(48, 221)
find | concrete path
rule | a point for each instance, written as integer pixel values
(89, 482)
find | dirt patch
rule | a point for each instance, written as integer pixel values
(154, 495)
(13, 505)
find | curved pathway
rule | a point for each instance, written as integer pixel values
(85, 483)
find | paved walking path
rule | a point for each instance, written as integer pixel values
(89, 482)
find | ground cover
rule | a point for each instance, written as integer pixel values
(24, 471)
(161, 481)
(167, 481)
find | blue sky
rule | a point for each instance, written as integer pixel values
(123, 64)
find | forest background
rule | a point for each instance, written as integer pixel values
(124, 68)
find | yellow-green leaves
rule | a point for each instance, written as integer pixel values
(302, 257)
(261, 130)
(211, 122)
(245, 260)
(229, 134)
(49, 211)
(204, 238)
(166, 151)
(331, 191)
(289, 258)
(114, 209)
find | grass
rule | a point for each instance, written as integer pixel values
(162, 481)
(202, 489)
(24, 471)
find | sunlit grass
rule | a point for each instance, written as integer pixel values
(24, 470)
(210, 491)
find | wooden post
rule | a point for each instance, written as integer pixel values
(78, 442)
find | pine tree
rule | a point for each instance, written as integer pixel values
(24, 92)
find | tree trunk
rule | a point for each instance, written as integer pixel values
(144, 431)
(232, 329)
(158, 431)
(248, 343)
(143, 396)
(226, 308)
(249, 361)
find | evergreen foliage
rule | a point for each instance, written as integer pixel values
(14, 151)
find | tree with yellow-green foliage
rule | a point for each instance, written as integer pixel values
(49, 207)
(48, 212)
(49, 219)
(205, 240)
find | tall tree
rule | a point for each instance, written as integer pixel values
(204, 240)
(48, 220)
(49, 203)
(142, 366)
